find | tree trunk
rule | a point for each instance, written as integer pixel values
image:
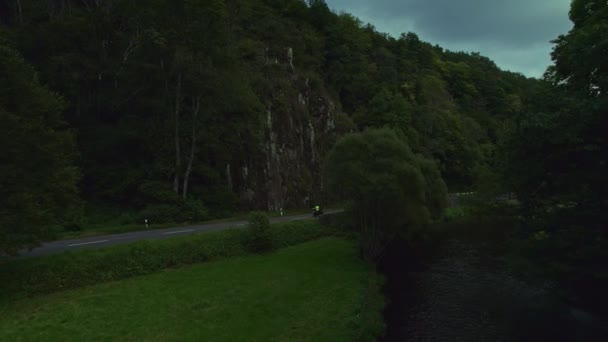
(178, 158)
(19, 12)
(195, 110)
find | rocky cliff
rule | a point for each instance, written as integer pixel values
(299, 129)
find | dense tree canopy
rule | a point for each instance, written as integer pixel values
(556, 158)
(192, 109)
(37, 175)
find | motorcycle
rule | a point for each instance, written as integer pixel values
(317, 213)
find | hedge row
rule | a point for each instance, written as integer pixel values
(81, 268)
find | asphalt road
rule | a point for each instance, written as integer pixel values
(60, 246)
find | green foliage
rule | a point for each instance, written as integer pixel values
(82, 268)
(489, 183)
(436, 194)
(344, 124)
(221, 201)
(259, 236)
(368, 324)
(454, 214)
(317, 291)
(285, 235)
(166, 206)
(158, 192)
(383, 181)
(162, 213)
(386, 109)
(160, 93)
(556, 161)
(37, 173)
(196, 211)
(579, 55)
(339, 221)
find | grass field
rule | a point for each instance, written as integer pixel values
(310, 292)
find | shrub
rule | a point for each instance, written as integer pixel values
(74, 220)
(180, 212)
(126, 218)
(221, 201)
(158, 192)
(160, 213)
(72, 227)
(293, 233)
(194, 211)
(340, 222)
(258, 238)
(454, 214)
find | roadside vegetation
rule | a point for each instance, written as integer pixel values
(87, 267)
(103, 222)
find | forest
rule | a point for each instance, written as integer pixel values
(181, 111)
(220, 105)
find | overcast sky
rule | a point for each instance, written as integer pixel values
(516, 34)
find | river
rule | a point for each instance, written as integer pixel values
(462, 293)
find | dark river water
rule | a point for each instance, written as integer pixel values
(461, 294)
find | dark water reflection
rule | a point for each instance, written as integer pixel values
(465, 295)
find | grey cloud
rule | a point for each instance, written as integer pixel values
(514, 33)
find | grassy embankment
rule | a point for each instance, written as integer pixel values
(316, 291)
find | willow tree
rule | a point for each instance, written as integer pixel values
(382, 180)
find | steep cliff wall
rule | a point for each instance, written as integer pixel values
(299, 128)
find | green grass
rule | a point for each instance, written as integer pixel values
(317, 291)
(108, 225)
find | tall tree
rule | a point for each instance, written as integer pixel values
(37, 174)
(558, 159)
(380, 177)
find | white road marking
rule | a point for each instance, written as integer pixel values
(87, 243)
(179, 232)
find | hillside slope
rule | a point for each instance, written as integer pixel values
(234, 103)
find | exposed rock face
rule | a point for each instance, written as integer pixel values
(299, 129)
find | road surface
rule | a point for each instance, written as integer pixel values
(60, 246)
